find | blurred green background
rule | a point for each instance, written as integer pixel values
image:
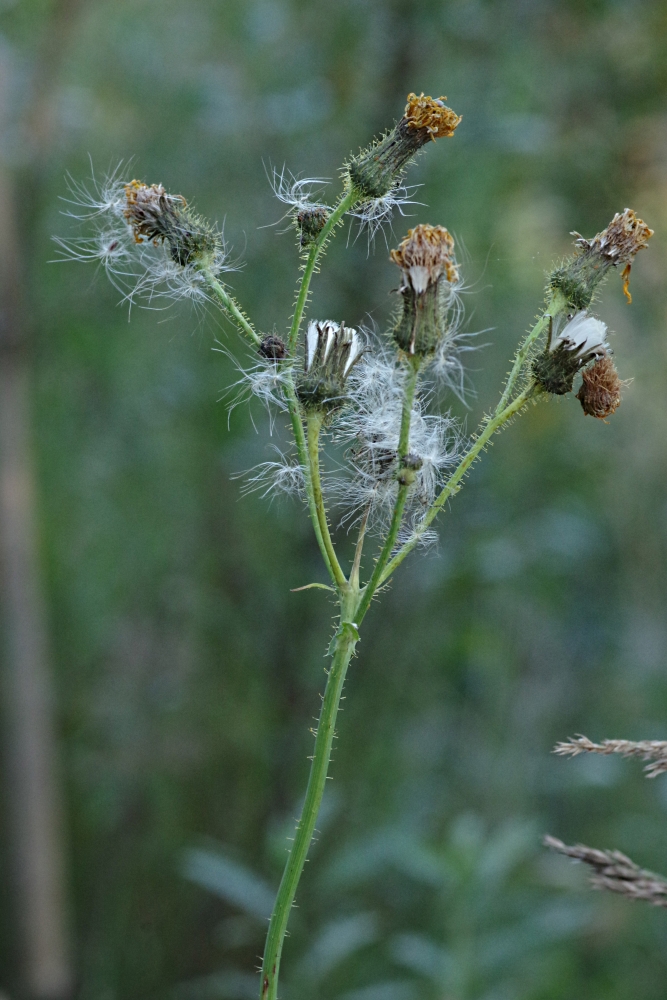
(186, 675)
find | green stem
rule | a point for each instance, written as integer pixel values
(304, 461)
(345, 642)
(231, 308)
(402, 496)
(314, 422)
(491, 426)
(344, 205)
(556, 304)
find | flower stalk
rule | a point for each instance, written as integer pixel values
(404, 461)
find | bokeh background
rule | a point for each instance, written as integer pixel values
(160, 677)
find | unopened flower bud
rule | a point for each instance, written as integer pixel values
(330, 352)
(273, 348)
(310, 221)
(600, 392)
(155, 216)
(409, 467)
(375, 171)
(429, 269)
(580, 340)
(578, 278)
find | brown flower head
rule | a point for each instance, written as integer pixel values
(156, 216)
(618, 244)
(424, 255)
(600, 392)
(429, 270)
(430, 115)
(625, 236)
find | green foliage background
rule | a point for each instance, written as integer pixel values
(188, 674)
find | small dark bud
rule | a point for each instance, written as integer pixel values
(155, 216)
(618, 244)
(600, 392)
(310, 222)
(273, 348)
(409, 467)
(429, 270)
(330, 352)
(374, 172)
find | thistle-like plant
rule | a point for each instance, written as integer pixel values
(372, 396)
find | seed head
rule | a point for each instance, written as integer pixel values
(331, 350)
(155, 216)
(581, 339)
(429, 275)
(600, 392)
(431, 116)
(376, 170)
(615, 872)
(273, 348)
(618, 244)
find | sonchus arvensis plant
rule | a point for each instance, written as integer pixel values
(369, 396)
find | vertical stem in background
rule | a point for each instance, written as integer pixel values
(344, 644)
(31, 747)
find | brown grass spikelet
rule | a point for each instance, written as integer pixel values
(651, 750)
(431, 115)
(427, 251)
(600, 392)
(615, 872)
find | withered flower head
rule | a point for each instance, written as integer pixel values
(425, 254)
(625, 236)
(429, 270)
(618, 244)
(431, 115)
(600, 392)
(331, 350)
(380, 168)
(155, 216)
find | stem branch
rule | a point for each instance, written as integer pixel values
(231, 308)
(314, 424)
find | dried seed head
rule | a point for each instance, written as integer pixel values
(429, 273)
(615, 872)
(624, 237)
(618, 244)
(155, 216)
(331, 350)
(600, 392)
(425, 254)
(651, 750)
(377, 170)
(430, 115)
(583, 338)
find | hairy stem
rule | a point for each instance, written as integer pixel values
(344, 644)
(231, 308)
(314, 424)
(304, 462)
(556, 304)
(492, 425)
(344, 205)
(402, 496)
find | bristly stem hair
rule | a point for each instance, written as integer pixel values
(404, 460)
